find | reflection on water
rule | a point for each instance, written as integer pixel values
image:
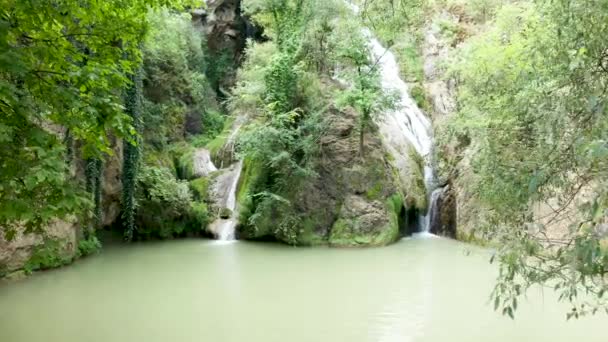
(420, 289)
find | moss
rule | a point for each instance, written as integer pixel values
(346, 233)
(375, 191)
(308, 235)
(419, 94)
(185, 166)
(251, 177)
(154, 157)
(417, 193)
(200, 189)
(225, 213)
(216, 144)
(395, 205)
(199, 217)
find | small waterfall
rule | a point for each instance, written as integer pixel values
(224, 228)
(433, 213)
(406, 125)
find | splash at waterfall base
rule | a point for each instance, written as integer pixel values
(224, 189)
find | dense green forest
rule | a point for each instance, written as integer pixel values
(109, 109)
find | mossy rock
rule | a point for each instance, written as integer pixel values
(217, 146)
(251, 181)
(225, 213)
(154, 157)
(349, 233)
(198, 217)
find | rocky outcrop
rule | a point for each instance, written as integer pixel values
(16, 253)
(453, 199)
(435, 51)
(352, 201)
(226, 31)
(112, 184)
(202, 165)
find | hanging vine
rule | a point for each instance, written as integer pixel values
(93, 174)
(131, 155)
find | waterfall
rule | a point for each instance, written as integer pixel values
(406, 125)
(224, 228)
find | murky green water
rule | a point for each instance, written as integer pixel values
(416, 290)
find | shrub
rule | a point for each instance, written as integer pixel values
(50, 254)
(163, 203)
(89, 246)
(199, 217)
(166, 209)
(199, 188)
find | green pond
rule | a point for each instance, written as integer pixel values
(195, 290)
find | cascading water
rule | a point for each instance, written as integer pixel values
(224, 228)
(406, 125)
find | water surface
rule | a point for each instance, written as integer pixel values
(416, 290)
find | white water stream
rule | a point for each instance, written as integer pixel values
(406, 126)
(224, 228)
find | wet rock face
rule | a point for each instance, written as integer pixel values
(226, 31)
(201, 163)
(444, 214)
(346, 205)
(112, 184)
(435, 51)
(14, 254)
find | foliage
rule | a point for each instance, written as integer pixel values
(398, 25)
(62, 66)
(131, 157)
(51, 253)
(365, 93)
(387, 18)
(179, 98)
(199, 188)
(170, 201)
(533, 103)
(277, 85)
(94, 175)
(88, 246)
(248, 94)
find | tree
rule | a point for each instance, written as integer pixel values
(365, 92)
(63, 65)
(533, 101)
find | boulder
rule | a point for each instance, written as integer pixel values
(351, 200)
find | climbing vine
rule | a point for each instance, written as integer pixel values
(131, 155)
(93, 173)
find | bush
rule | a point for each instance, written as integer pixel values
(199, 188)
(166, 209)
(50, 254)
(163, 201)
(89, 246)
(199, 217)
(179, 99)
